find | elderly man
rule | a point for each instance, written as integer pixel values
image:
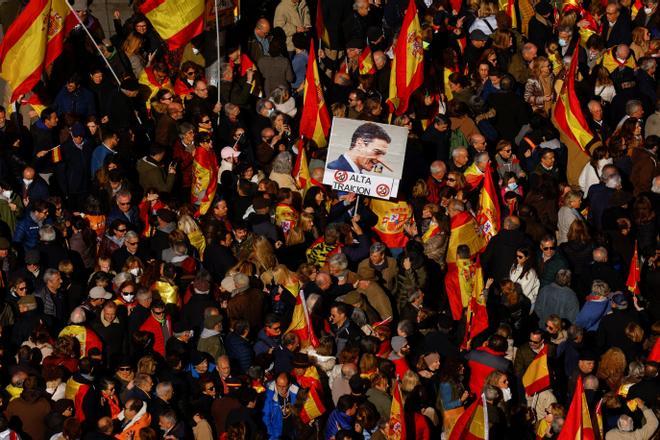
(281, 395)
(379, 267)
(519, 67)
(435, 182)
(259, 42)
(625, 427)
(459, 159)
(616, 26)
(557, 298)
(597, 124)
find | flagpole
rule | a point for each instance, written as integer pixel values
(75, 14)
(217, 39)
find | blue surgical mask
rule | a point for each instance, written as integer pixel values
(562, 42)
(512, 186)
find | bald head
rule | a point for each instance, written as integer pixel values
(380, 59)
(600, 255)
(511, 223)
(262, 29)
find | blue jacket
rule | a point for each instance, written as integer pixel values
(98, 157)
(264, 343)
(80, 102)
(592, 312)
(272, 413)
(133, 217)
(27, 232)
(239, 351)
(337, 421)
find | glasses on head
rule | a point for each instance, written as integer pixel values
(548, 248)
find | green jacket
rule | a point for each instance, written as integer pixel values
(7, 215)
(211, 343)
(153, 176)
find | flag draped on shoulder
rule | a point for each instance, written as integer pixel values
(315, 119)
(397, 425)
(408, 63)
(321, 30)
(32, 42)
(634, 273)
(300, 323)
(392, 217)
(366, 64)
(176, 21)
(577, 424)
(205, 179)
(473, 423)
(573, 128)
(488, 216)
(611, 62)
(537, 375)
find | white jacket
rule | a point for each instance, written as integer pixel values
(589, 177)
(529, 283)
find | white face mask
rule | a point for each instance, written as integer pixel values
(128, 298)
(612, 23)
(27, 181)
(136, 271)
(506, 394)
(647, 11)
(655, 189)
(6, 194)
(512, 186)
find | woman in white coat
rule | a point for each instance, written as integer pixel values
(590, 174)
(523, 273)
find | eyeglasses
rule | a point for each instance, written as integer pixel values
(548, 248)
(127, 292)
(123, 203)
(190, 73)
(205, 121)
(531, 341)
(451, 179)
(132, 243)
(21, 289)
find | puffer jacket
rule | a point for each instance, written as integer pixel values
(272, 413)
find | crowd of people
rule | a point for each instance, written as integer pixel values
(156, 249)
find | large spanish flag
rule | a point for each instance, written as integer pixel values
(577, 425)
(488, 216)
(321, 30)
(634, 273)
(392, 217)
(315, 119)
(205, 179)
(176, 21)
(397, 428)
(464, 230)
(471, 284)
(573, 128)
(300, 323)
(408, 63)
(537, 375)
(473, 423)
(33, 41)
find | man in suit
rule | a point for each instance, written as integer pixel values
(73, 172)
(369, 145)
(597, 124)
(616, 26)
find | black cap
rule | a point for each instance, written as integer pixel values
(478, 35)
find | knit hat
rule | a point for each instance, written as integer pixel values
(398, 342)
(431, 358)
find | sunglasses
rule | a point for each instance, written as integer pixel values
(125, 369)
(534, 342)
(124, 203)
(205, 121)
(127, 292)
(506, 151)
(520, 257)
(132, 243)
(21, 289)
(162, 312)
(451, 179)
(549, 248)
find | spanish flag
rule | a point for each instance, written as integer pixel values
(286, 217)
(573, 128)
(176, 21)
(56, 154)
(397, 424)
(301, 169)
(300, 322)
(537, 375)
(315, 119)
(321, 30)
(392, 217)
(148, 78)
(577, 425)
(32, 42)
(366, 64)
(205, 179)
(611, 63)
(473, 177)
(488, 216)
(509, 6)
(635, 8)
(408, 63)
(471, 284)
(634, 273)
(313, 406)
(432, 231)
(654, 356)
(464, 230)
(473, 423)
(86, 337)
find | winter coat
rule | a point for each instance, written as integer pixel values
(557, 300)
(80, 102)
(548, 269)
(153, 176)
(592, 312)
(161, 332)
(289, 16)
(500, 254)
(272, 413)
(239, 351)
(27, 232)
(529, 283)
(248, 305)
(482, 361)
(386, 276)
(210, 342)
(141, 420)
(643, 433)
(31, 412)
(265, 343)
(565, 218)
(645, 168)
(7, 215)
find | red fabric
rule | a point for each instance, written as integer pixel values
(181, 88)
(92, 341)
(479, 371)
(153, 326)
(422, 429)
(184, 160)
(146, 209)
(434, 188)
(70, 364)
(453, 290)
(78, 402)
(401, 366)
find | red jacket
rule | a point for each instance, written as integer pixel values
(184, 161)
(152, 326)
(434, 188)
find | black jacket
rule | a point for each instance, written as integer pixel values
(620, 33)
(73, 172)
(539, 32)
(217, 260)
(239, 351)
(500, 254)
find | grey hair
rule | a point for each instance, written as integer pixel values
(593, 103)
(50, 274)
(563, 277)
(437, 166)
(481, 158)
(224, 68)
(123, 193)
(184, 128)
(241, 281)
(261, 104)
(77, 316)
(565, 28)
(377, 248)
(131, 234)
(456, 205)
(491, 392)
(282, 163)
(406, 327)
(625, 423)
(121, 278)
(47, 233)
(636, 370)
(164, 388)
(574, 331)
(349, 370)
(229, 107)
(511, 223)
(590, 382)
(633, 105)
(356, 5)
(338, 261)
(527, 47)
(277, 94)
(144, 294)
(647, 63)
(456, 150)
(600, 287)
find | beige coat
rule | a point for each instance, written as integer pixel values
(643, 433)
(290, 15)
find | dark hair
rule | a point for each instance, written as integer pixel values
(498, 343)
(463, 251)
(341, 308)
(299, 40)
(529, 264)
(345, 402)
(368, 132)
(156, 149)
(108, 133)
(46, 113)
(241, 326)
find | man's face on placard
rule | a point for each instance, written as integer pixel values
(368, 155)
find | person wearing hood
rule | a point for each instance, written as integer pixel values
(133, 418)
(151, 173)
(400, 349)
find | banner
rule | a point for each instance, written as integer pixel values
(365, 158)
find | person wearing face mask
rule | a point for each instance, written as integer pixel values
(11, 206)
(32, 187)
(616, 26)
(567, 40)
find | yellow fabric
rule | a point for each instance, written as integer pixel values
(198, 241)
(168, 293)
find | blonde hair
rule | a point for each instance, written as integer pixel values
(147, 365)
(537, 64)
(263, 255)
(297, 234)
(612, 367)
(486, 9)
(634, 332)
(132, 44)
(409, 381)
(638, 36)
(282, 275)
(420, 189)
(187, 225)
